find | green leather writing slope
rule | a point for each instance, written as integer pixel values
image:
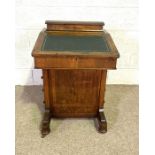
(75, 43)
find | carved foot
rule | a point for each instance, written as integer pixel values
(45, 129)
(102, 123)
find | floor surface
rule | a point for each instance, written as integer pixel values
(78, 136)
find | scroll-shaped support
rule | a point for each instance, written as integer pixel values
(102, 123)
(45, 126)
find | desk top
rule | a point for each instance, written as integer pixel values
(77, 43)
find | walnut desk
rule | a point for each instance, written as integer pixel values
(74, 58)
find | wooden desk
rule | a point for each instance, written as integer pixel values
(74, 58)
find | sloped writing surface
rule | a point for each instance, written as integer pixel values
(75, 43)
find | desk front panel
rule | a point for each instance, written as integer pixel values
(75, 62)
(74, 93)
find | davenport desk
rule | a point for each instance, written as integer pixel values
(74, 58)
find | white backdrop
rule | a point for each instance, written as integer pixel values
(120, 17)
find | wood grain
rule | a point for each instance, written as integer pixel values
(74, 25)
(75, 92)
(75, 63)
(102, 89)
(46, 88)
